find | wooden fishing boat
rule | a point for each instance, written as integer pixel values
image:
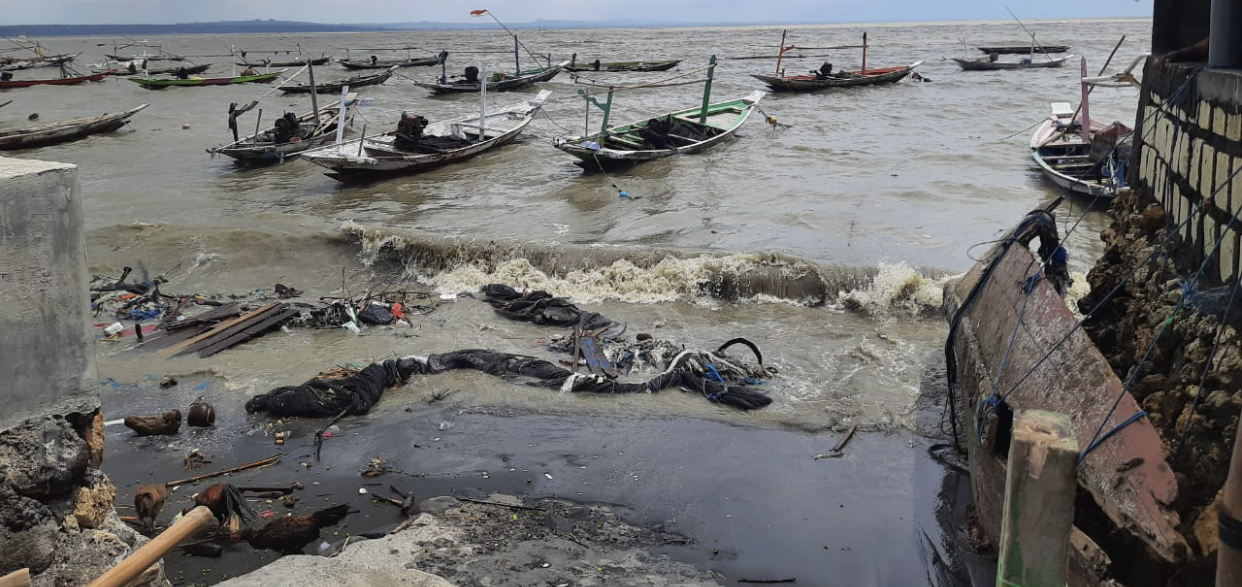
(124, 71)
(1020, 49)
(386, 63)
(160, 83)
(370, 79)
(64, 131)
(826, 78)
(986, 64)
(1092, 165)
(292, 63)
(506, 81)
(62, 81)
(439, 144)
(42, 61)
(616, 66)
(290, 135)
(676, 133)
(159, 57)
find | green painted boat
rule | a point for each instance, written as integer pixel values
(160, 83)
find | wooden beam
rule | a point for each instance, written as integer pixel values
(221, 327)
(1229, 559)
(144, 557)
(1039, 502)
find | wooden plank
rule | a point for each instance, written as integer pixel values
(151, 552)
(270, 320)
(221, 327)
(210, 316)
(1039, 502)
(231, 330)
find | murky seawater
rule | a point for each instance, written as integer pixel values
(870, 197)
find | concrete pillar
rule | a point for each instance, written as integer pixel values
(47, 358)
(1178, 23)
(1225, 48)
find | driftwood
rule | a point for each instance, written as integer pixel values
(845, 439)
(259, 463)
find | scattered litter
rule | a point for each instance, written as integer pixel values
(167, 423)
(827, 455)
(194, 460)
(362, 491)
(202, 414)
(267, 514)
(448, 297)
(168, 381)
(548, 475)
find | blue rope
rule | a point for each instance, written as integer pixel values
(993, 402)
(1096, 443)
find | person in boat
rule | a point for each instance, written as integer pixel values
(993, 56)
(182, 73)
(249, 71)
(824, 71)
(5, 76)
(595, 65)
(409, 131)
(472, 74)
(374, 61)
(133, 67)
(234, 112)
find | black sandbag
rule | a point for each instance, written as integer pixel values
(329, 397)
(540, 307)
(374, 315)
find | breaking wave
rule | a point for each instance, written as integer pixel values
(595, 273)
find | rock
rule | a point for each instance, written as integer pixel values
(93, 503)
(1205, 528)
(42, 457)
(82, 557)
(317, 570)
(94, 438)
(438, 505)
(28, 533)
(1151, 219)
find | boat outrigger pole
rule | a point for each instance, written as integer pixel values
(864, 63)
(781, 53)
(707, 90)
(606, 107)
(517, 58)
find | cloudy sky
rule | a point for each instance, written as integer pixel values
(687, 11)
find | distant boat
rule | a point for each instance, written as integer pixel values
(436, 145)
(160, 57)
(369, 79)
(497, 82)
(826, 78)
(986, 64)
(160, 83)
(291, 135)
(681, 132)
(64, 131)
(1091, 166)
(387, 63)
(616, 66)
(61, 81)
(124, 71)
(293, 63)
(1020, 49)
(12, 64)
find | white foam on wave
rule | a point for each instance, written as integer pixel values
(897, 289)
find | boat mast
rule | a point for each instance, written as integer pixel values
(707, 90)
(483, 103)
(517, 59)
(340, 121)
(780, 53)
(1086, 112)
(864, 65)
(314, 100)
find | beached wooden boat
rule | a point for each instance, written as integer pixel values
(1087, 165)
(61, 81)
(369, 79)
(160, 83)
(386, 63)
(616, 66)
(291, 135)
(826, 78)
(498, 82)
(682, 132)
(290, 63)
(986, 64)
(64, 131)
(124, 71)
(438, 144)
(1021, 49)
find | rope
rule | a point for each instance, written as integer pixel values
(656, 83)
(651, 85)
(1194, 404)
(1096, 443)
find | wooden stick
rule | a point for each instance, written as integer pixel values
(319, 433)
(502, 505)
(18, 578)
(259, 463)
(845, 439)
(149, 554)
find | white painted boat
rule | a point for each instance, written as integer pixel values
(1068, 159)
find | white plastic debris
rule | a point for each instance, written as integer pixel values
(114, 328)
(448, 297)
(362, 491)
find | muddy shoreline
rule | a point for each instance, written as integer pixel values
(750, 502)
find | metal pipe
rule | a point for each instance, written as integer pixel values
(1225, 44)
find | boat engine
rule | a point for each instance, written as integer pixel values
(472, 74)
(409, 131)
(286, 127)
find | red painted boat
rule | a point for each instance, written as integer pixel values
(64, 81)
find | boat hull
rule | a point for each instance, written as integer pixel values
(1023, 49)
(249, 152)
(500, 86)
(985, 65)
(808, 83)
(155, 84)
(619, 66)
(1065, 159)
(68, 81)
(63, 132)
(420, 62)
(374, 79)
(294, 63)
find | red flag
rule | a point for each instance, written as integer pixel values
(477, 12)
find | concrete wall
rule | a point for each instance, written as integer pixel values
(1178, 23)
(47, 359)
(1187, 145)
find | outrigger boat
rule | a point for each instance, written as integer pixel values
(369, 79)
(1019, 49)
(825, 77)
(417, 146)
(374, 62)
(64, 131)
(6, 80)
(124, 71)
(681, 132)
(1081, 154)
(293, 63)
(161, 83)
(991, 64)
(498, 81)
(617, 66)
(290, 135)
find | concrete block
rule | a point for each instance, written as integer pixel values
(1211, 232)
(1219, 119)
(1204, 118)
(1207, 164)
(1233, 127)
(1221, 183)
(1228, 255)
(48, 357)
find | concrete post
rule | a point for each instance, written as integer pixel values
(1229, 558)
(1039, 502)
(47, 359)
(1225, 48)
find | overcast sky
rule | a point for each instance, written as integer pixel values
(684, 11)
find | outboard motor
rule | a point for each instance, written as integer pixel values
(286, 127)
(409, 131)
(472, 74)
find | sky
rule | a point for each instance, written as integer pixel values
(671, 11)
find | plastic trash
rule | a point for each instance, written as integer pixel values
(448, 297)
(114, 329)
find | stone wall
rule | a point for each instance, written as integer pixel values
(1188, 146)
(56, 515)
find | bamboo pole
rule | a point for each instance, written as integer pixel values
(259, 463)
(144, 557)
(1039, 501)
(18, 578)
(1229, 558)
